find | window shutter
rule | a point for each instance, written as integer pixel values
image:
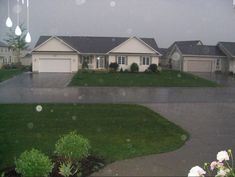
(116, 59)
(126, 60)
(151, 60)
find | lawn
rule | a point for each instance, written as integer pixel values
(115, 131)
(167, 78)
(8, 73)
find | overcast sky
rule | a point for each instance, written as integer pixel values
(165, 20)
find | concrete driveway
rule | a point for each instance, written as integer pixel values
(36, 80)
(211, 126)
(221, 78)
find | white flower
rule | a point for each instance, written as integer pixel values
(38, 108)
(213, 165)
(222, 155)
(222, 172)
(196, 171)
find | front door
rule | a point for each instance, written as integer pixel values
(100, 62)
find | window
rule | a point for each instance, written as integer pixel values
(145, 60)
(87, 59)
(121, 60)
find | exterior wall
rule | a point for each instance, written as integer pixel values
(7, 56)
(37, 56)
(133, 46)
(232, 65)
(54, 45)
(133, 59)
(176, 61)
(26, 61)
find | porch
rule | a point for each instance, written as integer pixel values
(93, 62)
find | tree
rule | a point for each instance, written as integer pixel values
(17, 43)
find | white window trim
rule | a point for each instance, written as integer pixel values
(144, 60)
(123, 60)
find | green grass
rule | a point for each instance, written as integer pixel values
(8, 73)
(115, 131)
(167, 78)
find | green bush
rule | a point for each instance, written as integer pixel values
(113, 66)
(85, 65)
(153, 68)
(33, 164)
(72, 146)
(134, 67)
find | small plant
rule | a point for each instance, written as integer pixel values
(121, 70)
(33, 164)
(85, 65)
(67, 169)
(113, 66)
(72, 146)
(126, 71)
(153, 68)
(219, 168)
(134, 67)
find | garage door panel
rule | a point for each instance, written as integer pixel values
(54, 65)
(199, 66)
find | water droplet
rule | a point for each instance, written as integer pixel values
(179, 75)
(30, 125)
(52, 110)
(74, 117)
(128, 140)
(38, 108)
(183, 137)
(112, 4)
(80, 2)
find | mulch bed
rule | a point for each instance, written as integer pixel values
(88, 166)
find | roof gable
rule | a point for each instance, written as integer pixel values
(227, 47)
(135, 45)
(53, 44)
(2, 44)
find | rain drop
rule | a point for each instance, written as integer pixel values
(38, 108)
(112, 4)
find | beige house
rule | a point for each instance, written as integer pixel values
(229, 49)
(6, 54)
(68, 53)
(197, 58)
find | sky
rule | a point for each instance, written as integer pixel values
(165, 20)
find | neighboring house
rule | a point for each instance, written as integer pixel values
(6, 54)
(26, 60)
(229, 49)
(166, 59)
(197, 58)
(68, 53)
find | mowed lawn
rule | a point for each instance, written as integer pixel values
(8, 73)
(167, 78)
(115, 131)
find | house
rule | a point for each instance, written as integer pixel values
(163, 59)
(197, 58)
(69, 53)
(229, 49)
(6, 54)
(166, 58)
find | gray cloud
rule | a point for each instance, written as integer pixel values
(165, 20)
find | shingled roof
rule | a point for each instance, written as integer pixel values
(229, 46)
(87, 44)
(201, 50)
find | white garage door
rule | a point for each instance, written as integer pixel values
(54, 65)
(199, 66)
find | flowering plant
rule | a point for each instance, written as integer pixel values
(220, 168)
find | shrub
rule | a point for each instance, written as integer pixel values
(85, 65)
(113, 66)
(121, 70)
(72, 146)
(33, 164)
(134, 67)
(153, 68)
(126, 71)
